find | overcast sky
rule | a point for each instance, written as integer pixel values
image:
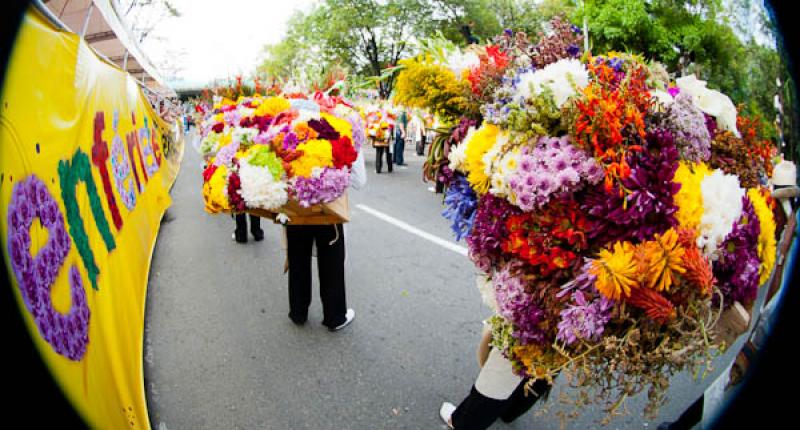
(218, 39)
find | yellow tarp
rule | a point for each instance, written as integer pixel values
(85, 170)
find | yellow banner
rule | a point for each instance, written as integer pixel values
(85, 170)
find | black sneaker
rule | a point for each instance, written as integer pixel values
(258, 236)
(297, 321)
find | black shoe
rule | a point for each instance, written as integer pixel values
(349, 316)
(239, 239)
(258, 236)
(297, 321)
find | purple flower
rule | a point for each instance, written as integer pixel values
(323, 186)
(325, 130)
(290, 141)
(517, 306)
(673, 91)
(573, 50)
(687, 123)
(584, 319)
(647, 207)
(489, 230)
(737, 267)
(559, 168)
(226, 154)
(461, 203)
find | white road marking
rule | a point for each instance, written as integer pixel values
(413, 230)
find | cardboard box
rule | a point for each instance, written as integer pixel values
(335, 212)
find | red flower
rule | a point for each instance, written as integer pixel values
(209, 172)
(218, 127)
(343, 152)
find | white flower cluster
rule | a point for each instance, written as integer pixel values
(244, 135)
(260, 189)
(505, 167)
(458, 155)
(458, 61)
(722, 207)
(711, 102)
(563, 78)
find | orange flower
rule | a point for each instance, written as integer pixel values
(662, 258)
(615, 271)
(654, 305)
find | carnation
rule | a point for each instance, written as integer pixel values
(722, 206)
(324, 185)
(260, 189)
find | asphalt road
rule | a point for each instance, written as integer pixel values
(221, 353)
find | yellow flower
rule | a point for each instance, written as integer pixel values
(661, 258)
(316, 153)
(767, 246)
(215, 191)
(689, 198)
(341, 125)
(477, 146)
(220, 117)
(615, 271)
(273, 106)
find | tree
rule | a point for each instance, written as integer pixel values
(144, 16)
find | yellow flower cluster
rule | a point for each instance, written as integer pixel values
(272, 106)
(341, 125)
(689, 199)
(433, 87)
(478, 145)
(767, 247)
(215, 191)
(316, 153)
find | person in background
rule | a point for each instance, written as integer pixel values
(417, 132)
(401, 125)
(380, 141)
(240, 234)
(329, 241)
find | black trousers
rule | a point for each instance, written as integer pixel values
(379, 151)
(478, 412)
(241, 227)
(329, 240)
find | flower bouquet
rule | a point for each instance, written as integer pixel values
(377, 125)
(614, 214)
(288, 159)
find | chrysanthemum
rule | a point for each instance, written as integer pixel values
(615, 271)
(477, 145)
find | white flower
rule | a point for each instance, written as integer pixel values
(662, 97)
(458, 155)
(282, 218)
(246, 112)
(259, 189)
(244, 135)
(492, 157)
(505, 168)
(559, 77)
(711, 102)
(458, 61)
(486, 288)
(722, 207)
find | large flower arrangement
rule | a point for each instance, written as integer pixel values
(263, 151)
(611, 212)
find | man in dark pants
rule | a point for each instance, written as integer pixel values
(329, 241)
(240, 234)
(400, 138)
(379, 151)
(479, 412)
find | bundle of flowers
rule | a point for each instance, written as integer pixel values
(262, 152)
(615, 214)
(377, 122)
